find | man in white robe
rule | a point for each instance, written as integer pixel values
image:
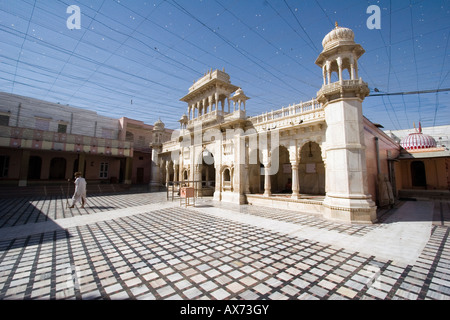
(80, 190)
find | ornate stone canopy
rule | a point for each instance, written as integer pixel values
(338, 36)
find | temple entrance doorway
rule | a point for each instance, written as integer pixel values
(208, 173)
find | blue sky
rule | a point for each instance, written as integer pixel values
(137, 58)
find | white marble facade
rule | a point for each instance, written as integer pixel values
(309, 156)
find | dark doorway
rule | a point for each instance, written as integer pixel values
(419, 178)
(208, 169)
(140, 175)
(34, 168)
(57, 169)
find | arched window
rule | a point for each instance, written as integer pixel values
(226, 175)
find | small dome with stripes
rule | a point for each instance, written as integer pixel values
(418, 140)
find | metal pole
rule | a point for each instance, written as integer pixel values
(67, 197)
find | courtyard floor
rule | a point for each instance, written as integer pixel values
(140, 246)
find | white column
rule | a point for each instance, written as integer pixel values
(295, 180)
(352, 68)
(328, 72)
(247, 179)
(210, 99)
(339, 62)
(175, 172)
(198, 109)
(216, 98)
(218, 181)
(155, 168)
(167, 174)
(267, 182)
(198, 177)
(347, 196)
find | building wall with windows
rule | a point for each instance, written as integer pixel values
(44, 142)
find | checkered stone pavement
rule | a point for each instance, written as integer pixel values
(171, 252)
(21, 211)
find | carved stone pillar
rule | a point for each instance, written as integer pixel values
(167, 173)
(328, 64)
(216, 98)
(267, 182)
(199, 113)
(324, 74)
(175, 172)
(210, 102)
(352, 68)
(295, 181)
(155, 168)
(339, 63)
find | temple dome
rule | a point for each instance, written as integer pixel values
(238, 91)
(418, 140)
(338, 36)
(159, 125)
(184, 118)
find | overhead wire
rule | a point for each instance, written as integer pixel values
(119, 76)
(325, 13)
(71, 54)
(290, 26)
(388, 48)
(302, 27)
(23, 42)
(270, 43)
(66, 3)
(441, 81)
(414, 57)
(88, 59)
(246, 54)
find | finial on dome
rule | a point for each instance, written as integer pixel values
(336, 24)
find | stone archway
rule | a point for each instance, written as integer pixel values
(281, 181)
(208, 170)
(311, 169)
(227, 179)
(185, 175)
(255, 172)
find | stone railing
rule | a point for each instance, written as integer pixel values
(345, 84)
(302, 108)
(210, 116)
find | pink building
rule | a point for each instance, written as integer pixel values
(45, 143)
